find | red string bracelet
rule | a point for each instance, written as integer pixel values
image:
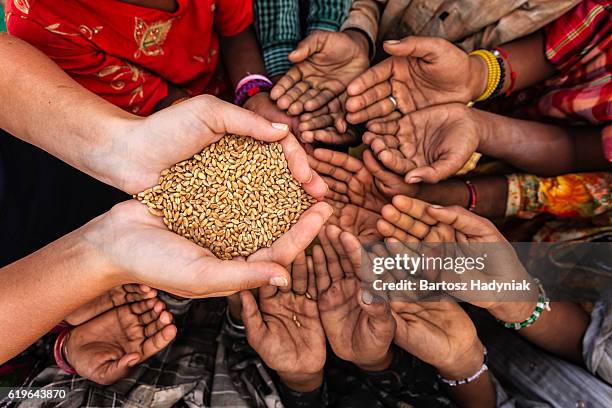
(58, 352)
(513, 74)
(473, 197)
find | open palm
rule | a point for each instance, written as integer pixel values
(357, 332)
(428, 145)
(325, 63)
(283, 326)
(421, 72)
(105, 348)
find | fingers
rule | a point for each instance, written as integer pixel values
(299, 274)
(332, 261)
(339, 159)
(462, 220)
(296, 159)
(136, 292)
(319, 100)
(426, 48)
(228, 118)
(312, 282)
(444, 167)
(378, 109)
(163, 319)
(312, 122)
(307, 47)
(375, 75)
(221, 278)
(377, 308)
(297, 107)
(287, 247)
(251, 317)
(158, 341)
(357, 256)
(409, 215)
(333, 234)
(369, 97)
(287, 82)
(319, 264)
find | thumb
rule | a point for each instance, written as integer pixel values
(232, 276)
(224, 117)
(418, 47)
(251, 317)
(308, 46)
(375, 306)
(444, 167)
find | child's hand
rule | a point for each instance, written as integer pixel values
(285, 329)
(358, 325)
(115, 297)
(348, 179)
(441, 334)
(421, 72)
(428, 145)
(325, 63)
(106, 348)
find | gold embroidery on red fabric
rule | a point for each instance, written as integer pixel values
(122, 73)
(150, 37)
(22, 5)
(83, 30)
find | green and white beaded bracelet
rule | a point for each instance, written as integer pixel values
(543, 304)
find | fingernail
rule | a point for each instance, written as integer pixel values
(413, 180)
(280, 126)
(367, 297)
(280, 281)
(436, 206)
(392, 42)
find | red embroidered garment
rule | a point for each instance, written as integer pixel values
(579, 45)
(126, 53)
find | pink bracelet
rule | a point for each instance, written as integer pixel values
(251, 78)
(58, 353)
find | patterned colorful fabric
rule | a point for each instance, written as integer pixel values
(570, 195)
(2, 24)
(579, 45)
(279, 26)
(129, 54)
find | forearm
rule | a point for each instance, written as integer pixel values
(528, 60)
(241, 56)
(38, 291)
(57, 114)
(559, 330)
(175, 94)
(539, 148)
(478, 393)
(491, 194)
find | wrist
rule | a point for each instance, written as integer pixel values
(113, 158)
(252, 101)
(359, 38)
(302, 382)
(380, 365)
(95, 240)
(466, 365)
(477, 80)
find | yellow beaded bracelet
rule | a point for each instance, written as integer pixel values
(493, 72)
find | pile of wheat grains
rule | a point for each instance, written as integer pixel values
(235, 197)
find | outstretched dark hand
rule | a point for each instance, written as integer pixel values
(421, 72)
(358, 325)
(325, 63)
(283, 326)
(105, 348)
(428, 145)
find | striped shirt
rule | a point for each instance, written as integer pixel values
(280, 27)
